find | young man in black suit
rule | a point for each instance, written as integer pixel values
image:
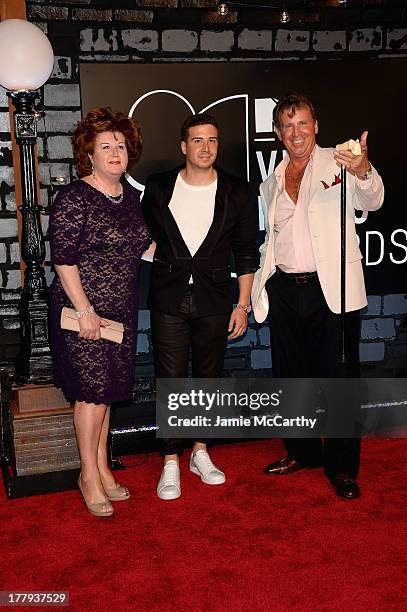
(198, 215)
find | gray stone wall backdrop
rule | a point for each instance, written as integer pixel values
(186, 30)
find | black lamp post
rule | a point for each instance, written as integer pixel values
(33, 363)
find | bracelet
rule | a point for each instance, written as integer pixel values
(85, 313)
(246, 307)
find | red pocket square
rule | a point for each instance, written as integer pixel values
(336, 181)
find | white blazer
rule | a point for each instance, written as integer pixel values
(324, 224)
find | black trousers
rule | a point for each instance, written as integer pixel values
(174, 335)
(306, 342)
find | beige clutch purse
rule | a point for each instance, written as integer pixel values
(70, 321)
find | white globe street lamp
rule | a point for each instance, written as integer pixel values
(26, 56)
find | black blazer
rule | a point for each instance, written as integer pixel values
(233, 229)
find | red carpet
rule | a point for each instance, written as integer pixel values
(256, 543)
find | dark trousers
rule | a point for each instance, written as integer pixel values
(174, 335)
(306, 342)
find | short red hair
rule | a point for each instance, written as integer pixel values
(103, 120)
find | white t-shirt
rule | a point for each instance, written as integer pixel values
(192, 208)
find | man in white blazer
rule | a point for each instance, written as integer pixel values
(297, 286)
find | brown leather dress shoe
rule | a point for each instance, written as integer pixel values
(346, 486)
(288, 465)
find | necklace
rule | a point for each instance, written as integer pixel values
(296, 179)
(115, 198)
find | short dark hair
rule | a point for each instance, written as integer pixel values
(291, 102)
(99, 120)
(194, 120)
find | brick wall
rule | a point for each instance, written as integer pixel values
(173, 31)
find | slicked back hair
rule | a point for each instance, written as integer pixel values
(194, 120)
(291, 102)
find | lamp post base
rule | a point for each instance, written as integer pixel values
(33, 363)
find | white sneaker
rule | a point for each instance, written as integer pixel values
(169, 486)
(201, 464)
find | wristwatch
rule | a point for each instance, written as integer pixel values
(366, 175)
(246, 307)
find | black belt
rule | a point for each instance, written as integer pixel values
(298, 277)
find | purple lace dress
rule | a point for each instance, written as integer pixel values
(105, 240)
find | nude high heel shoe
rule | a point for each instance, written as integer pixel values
(95, 508)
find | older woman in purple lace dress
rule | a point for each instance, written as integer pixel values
(97, 237)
